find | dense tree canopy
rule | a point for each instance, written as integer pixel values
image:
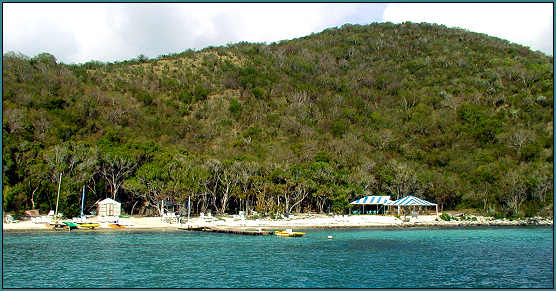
(459, 118)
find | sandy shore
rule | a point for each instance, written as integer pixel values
(302, 221)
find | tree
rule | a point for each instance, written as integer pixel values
(322, 174)
(514, 189)
(228, 179)
(302, 186)
(399, 179)
(118, 164)
(246, 170)
(58, 160)
(148, 184)
(484, 179)
(215, 169)
(37, 175)
(142, 58)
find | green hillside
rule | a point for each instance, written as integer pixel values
(455, 117)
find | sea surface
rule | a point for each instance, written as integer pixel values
(355, 258)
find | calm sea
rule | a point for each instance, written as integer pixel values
(366, 258)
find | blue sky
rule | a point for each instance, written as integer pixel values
(80, 32)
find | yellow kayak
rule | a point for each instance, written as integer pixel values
(89, 225)
(288, 233)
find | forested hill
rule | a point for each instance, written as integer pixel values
(454, 117)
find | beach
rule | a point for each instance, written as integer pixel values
(301, 221)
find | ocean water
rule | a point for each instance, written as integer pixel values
(355, 258)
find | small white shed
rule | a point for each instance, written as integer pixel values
(109, 207)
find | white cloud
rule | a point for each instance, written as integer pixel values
(528, 24)
(79, 32)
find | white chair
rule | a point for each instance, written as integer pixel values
(170, 217)
(38, 219)
(10, 219)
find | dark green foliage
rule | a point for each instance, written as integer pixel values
(186, 97)
(235, 108)
(338, 128)
(446, 217)
(479, 124)
(531, 152)
(253, 131)
(455, 117)
(144, 97)
(200, 93)
(258, 93)
(57, 103)
(322, 157)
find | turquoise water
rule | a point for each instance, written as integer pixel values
(366, 258)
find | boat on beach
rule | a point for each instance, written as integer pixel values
(56, 225)
(88, 225)
(70, 225)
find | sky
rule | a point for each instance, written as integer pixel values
(107, 32)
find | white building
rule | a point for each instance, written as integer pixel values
(109, 207)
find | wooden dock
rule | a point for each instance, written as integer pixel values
(230, 231)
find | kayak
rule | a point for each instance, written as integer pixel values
(289, 233)
(55, 225)
(89, 225)
(116, 225)
(70, 225)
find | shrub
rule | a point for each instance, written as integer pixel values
(252, 131)
(531, 151)
(144, 97)
(499, 215)
(226, 122)
(322, 156)
(258, 93)
(200, 93)
(235, 108)
(446, 217)
(185, 97)
(338, 128)
(57, 103)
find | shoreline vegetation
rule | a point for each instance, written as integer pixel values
(305, 221)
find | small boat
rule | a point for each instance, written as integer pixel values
(55, 225)
(69, 224)
(88, 225)
(116, 225)
(289, 233)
